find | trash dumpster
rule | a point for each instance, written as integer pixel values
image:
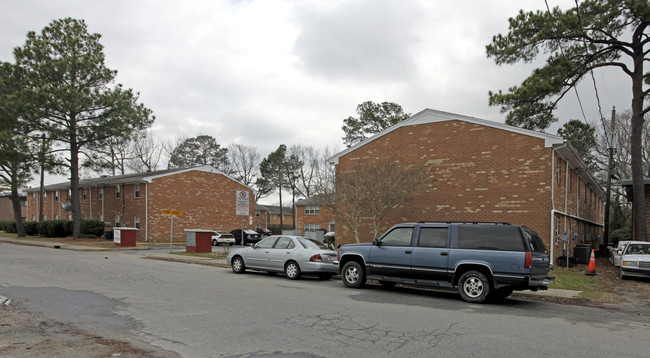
(198, 241)
(124, 236)
(582, 253)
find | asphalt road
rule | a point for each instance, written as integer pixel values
(202, 311)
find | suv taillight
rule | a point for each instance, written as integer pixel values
(529, 260)
(316, 258)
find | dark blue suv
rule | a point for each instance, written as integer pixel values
(484, 260)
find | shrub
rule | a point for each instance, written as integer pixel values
(94, 228)
(621, 234)
(55, 228)
(31, 228)
(8, 226)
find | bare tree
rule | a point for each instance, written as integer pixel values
(307, 173)
(244, 162)
(371, 190)
(348, 188)
(146, 152)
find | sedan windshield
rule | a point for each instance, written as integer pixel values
(311, 244)
(638, 249)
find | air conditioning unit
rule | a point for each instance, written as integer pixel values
(66, 206)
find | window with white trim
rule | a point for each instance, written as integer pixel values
(117, 192)
(45, 197)
(312, 210)
(84, 194)
(136, 222)
(312, 227)
(100, 194)
(56, 196)
(117, 221)
(136, 190)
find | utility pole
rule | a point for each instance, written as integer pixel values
(608, 199)
(41, 190)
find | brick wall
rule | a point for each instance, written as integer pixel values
(473, 173)
(203, 197)
(321, 219)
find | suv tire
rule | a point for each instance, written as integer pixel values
(473, 286)
(353, 275)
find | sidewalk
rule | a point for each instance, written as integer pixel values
(197, 260)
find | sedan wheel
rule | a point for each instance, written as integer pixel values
(292, 270)
(238, 265)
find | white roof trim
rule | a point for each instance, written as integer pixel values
(433, 116)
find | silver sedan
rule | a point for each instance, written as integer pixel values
(293, 255)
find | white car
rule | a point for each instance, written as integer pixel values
(635, 259)
(222, 238)
(615, 253)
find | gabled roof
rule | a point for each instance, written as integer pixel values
(133, 178)
(273, 209)
(564, 149)
(434, 116)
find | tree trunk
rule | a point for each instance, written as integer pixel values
(74, 185)
(638, 200)
(15, 201)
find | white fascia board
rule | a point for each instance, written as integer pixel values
(433, 116)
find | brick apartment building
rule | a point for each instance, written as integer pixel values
(311, 217)
(479, 170)
(7, 208)
(204, 195)
(268, 217)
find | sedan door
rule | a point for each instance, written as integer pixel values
(258, 254)
(281, 252)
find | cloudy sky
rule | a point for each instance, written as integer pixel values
(271, 72)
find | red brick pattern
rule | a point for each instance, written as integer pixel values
(474, 173)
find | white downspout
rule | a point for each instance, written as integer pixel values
(90, 197)
(552, 236)
(146, 212)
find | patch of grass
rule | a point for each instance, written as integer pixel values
(592, 287)
(213, 255)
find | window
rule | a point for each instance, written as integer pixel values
(478, 237)
(100, 195)
(332, 226)
(257, 213)
(56, 196)
(285, 243)
(136, 222)
(100, 217)
(44, 217)
(69, 194)
(117, 192)
(433, 237)
(56, 217)
(558, 171)
(400, 236)
(312, 210)
(117, 221)
(266, 243)
(84, 194)
(33, 217)
(136, 190)
(312, 227)
(33, 197)
(45, 197)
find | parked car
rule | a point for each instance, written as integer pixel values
(615, 253)
(264, 232)
(250, 236)
(635, 259)
(483, 260)
(330, 239)
(293, 255)
(222, 238)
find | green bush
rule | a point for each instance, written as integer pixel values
(621, 234)
(55, 228)
(94, 228)
(8, 226)
(31, 228)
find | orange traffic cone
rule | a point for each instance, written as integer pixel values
(592, 264)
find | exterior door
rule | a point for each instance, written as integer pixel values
(431, 254)
(281, 252)
(258, 257)
(391, 256)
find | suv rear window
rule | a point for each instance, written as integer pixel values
(534, 240)
(482, 237)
